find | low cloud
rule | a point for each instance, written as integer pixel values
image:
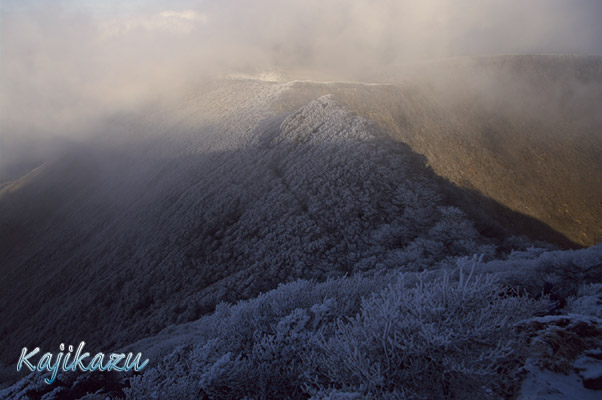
(65, 66)
(171, 22)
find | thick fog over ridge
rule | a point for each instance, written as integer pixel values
(68, 64)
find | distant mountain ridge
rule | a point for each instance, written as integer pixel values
(525, 131)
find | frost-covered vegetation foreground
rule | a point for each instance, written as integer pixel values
(471, 329)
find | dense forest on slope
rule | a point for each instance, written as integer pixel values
(148, 243)
(158, 217)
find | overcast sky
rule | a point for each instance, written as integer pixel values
(397, 29)
(64, 62)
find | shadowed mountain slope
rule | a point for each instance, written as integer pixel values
(248, 184)
(138, 239)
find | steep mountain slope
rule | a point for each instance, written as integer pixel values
(525, 131)
(246, 184)
(142, 242)
(529, 135)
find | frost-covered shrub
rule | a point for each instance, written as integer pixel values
(440, 339)
(254, 348)
(389, 336)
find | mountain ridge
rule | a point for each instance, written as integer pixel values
(248, 184)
